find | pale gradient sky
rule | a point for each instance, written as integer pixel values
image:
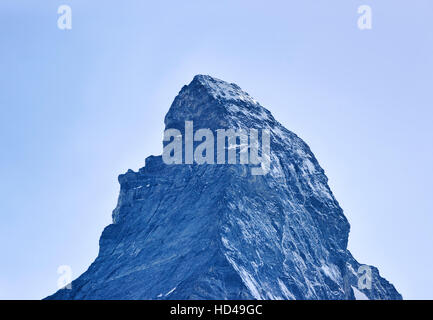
(80, 107)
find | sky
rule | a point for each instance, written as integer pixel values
(81, 106)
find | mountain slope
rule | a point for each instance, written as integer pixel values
(215, 231)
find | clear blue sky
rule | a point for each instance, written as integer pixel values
(80, 107)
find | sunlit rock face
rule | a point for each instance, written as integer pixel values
(218, 232)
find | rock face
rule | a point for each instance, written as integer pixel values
(217, 232)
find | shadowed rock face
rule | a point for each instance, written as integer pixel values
(218, 232)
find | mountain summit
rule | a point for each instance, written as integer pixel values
(214, 231)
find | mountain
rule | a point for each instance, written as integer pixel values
(217, 231)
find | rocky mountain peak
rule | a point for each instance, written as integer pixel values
(215, 231)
